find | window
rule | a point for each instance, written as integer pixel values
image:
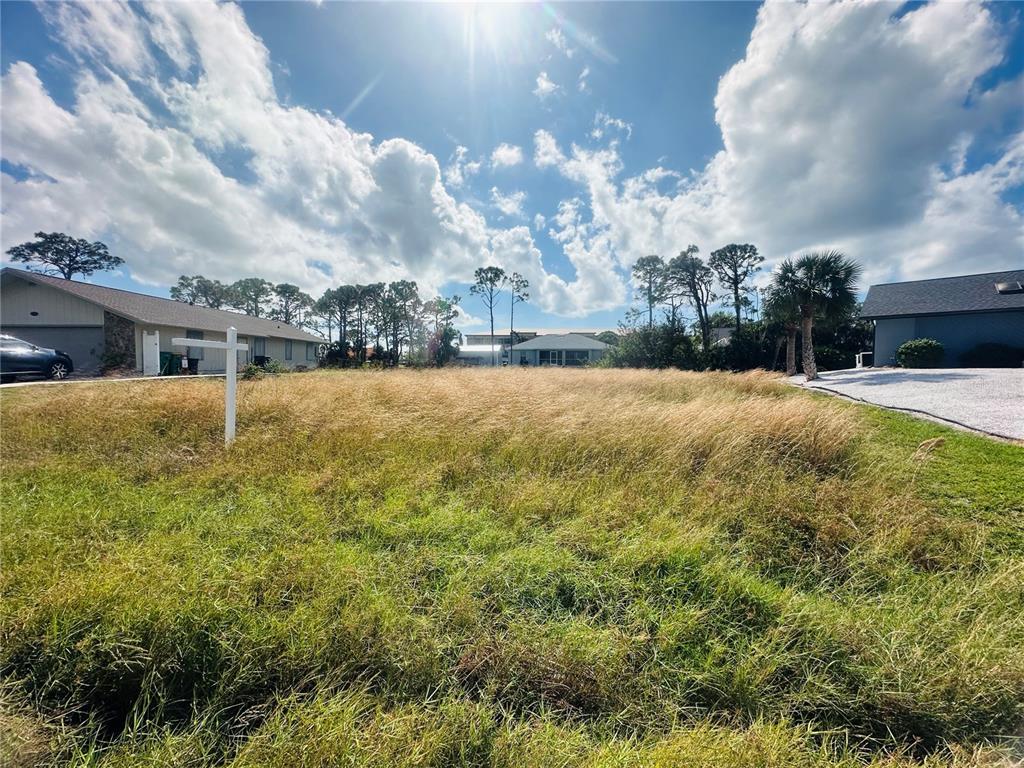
(259, 346)
(310, 351)
(287, 349)
(195, 353)
(550, 357)
(577, 357)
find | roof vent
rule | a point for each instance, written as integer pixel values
(1012, 287)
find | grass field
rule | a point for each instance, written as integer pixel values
(504, 568)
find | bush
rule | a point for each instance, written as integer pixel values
(920, 353)
(993, 356)
(659, 347)
(251, 372)
(256, 371)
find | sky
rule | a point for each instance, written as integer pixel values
(329, 143)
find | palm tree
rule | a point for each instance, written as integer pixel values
(779, 307)
(822, 284)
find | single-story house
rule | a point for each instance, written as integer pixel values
(562, 349)
(476, 349)
(959, 312)
(93, 323)
(503, 336)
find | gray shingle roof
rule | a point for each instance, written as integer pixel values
(561, 341)
(944, 296)
(153, 310)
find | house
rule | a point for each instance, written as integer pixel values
(477, 347)
(504, 335)
(959, 312)
(93, 323)
(561, 349)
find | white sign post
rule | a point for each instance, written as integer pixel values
(231, 349)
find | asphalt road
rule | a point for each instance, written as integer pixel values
(989, 400)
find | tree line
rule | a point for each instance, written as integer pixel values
(815, 290)
(383, 322)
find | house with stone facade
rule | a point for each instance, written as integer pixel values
(97, 325)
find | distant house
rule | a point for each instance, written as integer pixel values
(960, 312)
(90, 321)
(559, 349)
(476, 349)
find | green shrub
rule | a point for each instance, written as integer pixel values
(920, 353)
(251, 372)
(662, 346)
(993, 356)
(254, 371)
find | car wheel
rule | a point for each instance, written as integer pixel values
(58, 370)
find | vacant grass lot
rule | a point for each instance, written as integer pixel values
(504, 568)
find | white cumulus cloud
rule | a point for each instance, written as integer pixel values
(865, 146)
(506, 156)
(545, 87)
(460, 169)
(178, 152)
(510, 204)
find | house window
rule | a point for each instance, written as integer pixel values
(259, 346)
(194, 353)
(287, 349)
(310, 351)
(576, 357)
(550, 357)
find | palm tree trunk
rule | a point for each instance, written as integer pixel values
(791, 350)
(807, 329)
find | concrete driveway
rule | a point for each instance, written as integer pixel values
(989, 400)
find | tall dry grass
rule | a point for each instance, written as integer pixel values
(506, 561)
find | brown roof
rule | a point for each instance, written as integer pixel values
(153, 310)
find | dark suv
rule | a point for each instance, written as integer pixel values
(19, 358)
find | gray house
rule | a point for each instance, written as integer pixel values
(960, 312)
(561, 349)
(91, 322)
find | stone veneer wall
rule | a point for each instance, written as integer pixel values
(118, 341)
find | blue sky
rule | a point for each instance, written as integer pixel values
(331, 143)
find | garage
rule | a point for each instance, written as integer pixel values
(83, 343)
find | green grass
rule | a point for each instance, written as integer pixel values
(504, 568)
